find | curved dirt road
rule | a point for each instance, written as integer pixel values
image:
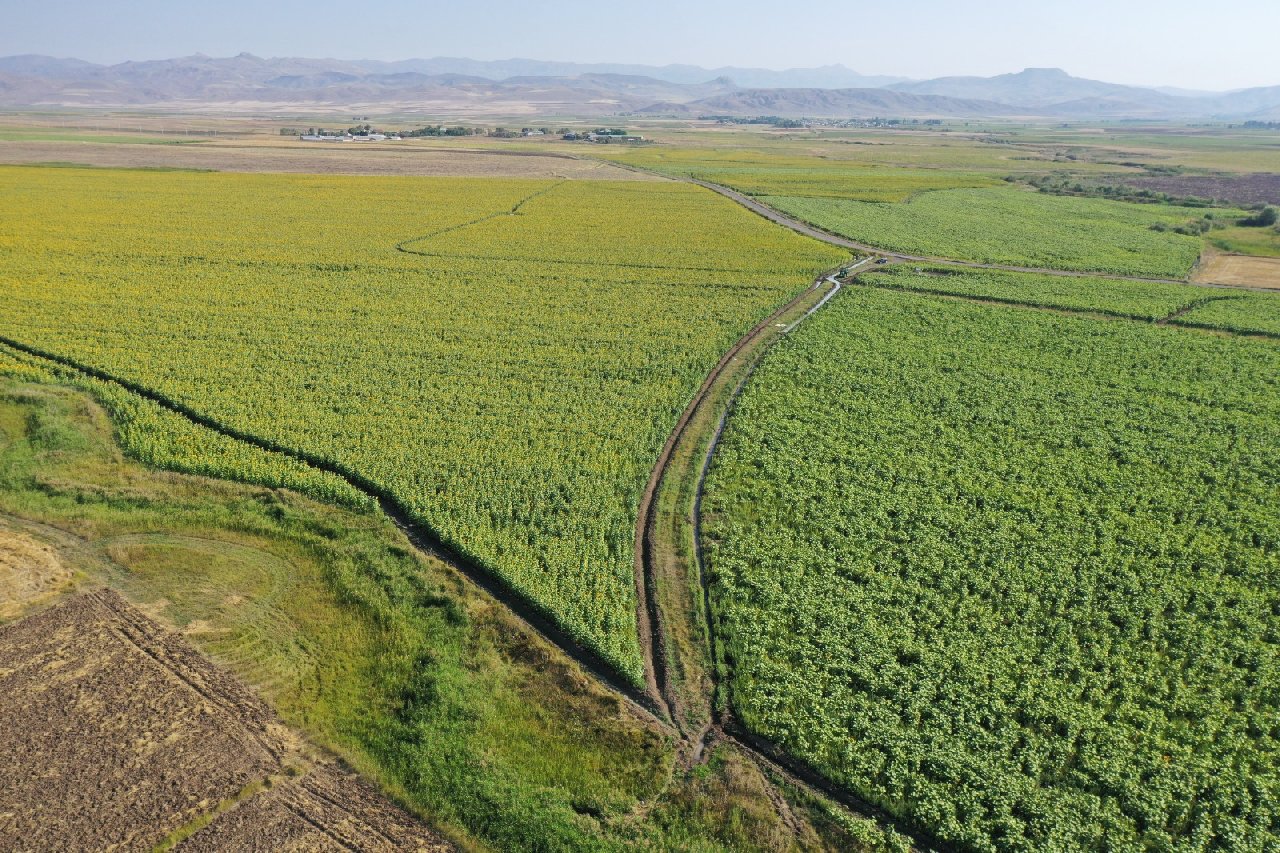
(808, 230)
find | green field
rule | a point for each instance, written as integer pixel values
(1011, 575)
(1247, 313)
(791, 171)
(377, 654)
(510, 389)
(995, 552)
(1118, 297)
(1007, 226)
(1262, 242)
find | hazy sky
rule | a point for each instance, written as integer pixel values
(1189, 43)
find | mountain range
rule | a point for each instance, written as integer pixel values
(458, 86)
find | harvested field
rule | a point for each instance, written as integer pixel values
(118, 735)
(1239, 270)
(30, 572)
(318, 158)
(328, 809)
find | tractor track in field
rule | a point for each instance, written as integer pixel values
(658, 702)
(650, 617)
(808, 230)
(723, 725)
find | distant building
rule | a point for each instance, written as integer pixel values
(607, 138)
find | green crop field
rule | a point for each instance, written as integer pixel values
(995, 552)
(1136, 299)
(1247, 313)
(509, 387)
(379, 654)
(1011, 575)
(1008, 226)
(792, 172)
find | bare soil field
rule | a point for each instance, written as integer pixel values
(116, 734)
(1238, 270)
(335, 158)
(30, 572)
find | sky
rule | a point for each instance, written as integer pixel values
(1186, 43)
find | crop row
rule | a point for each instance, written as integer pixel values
(1010, 575)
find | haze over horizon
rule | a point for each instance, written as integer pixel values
(1143, 43)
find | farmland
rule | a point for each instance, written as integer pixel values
(1249, 313)
(784, 172)
(1011, 574)
(508, 386)
(1007, 226)
(379, 655)
(302, 158)
(1139, 300)
(78, 674)
(988, 556)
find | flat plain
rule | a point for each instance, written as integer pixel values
(501, 358)
(309, 158)
(987, 554)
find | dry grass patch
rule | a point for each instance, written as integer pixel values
(30, 572)
(1238, 270)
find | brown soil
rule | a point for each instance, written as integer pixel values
(115, 734)
(1238, 270)
(328, 809)
(350, 158)
(30, 572)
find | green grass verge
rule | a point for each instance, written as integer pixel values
(369, 649)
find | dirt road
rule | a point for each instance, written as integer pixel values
(845, 243)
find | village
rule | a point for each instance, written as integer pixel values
(367, 133)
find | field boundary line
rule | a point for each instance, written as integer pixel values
(808, 229)
(1191, 306)
(403, 245)
(421, 535)
(1171, 321)
(653, 636)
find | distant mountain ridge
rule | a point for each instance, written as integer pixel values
(825, 77)
(837, 103)
(1056, 92)
(444, 86)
